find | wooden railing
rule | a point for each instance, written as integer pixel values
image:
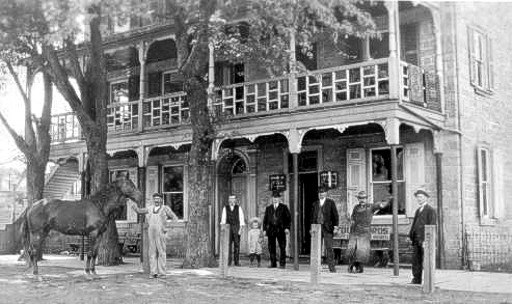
(365, 81)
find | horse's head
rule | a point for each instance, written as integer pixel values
(128, 189)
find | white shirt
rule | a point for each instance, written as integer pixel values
(322, 201)
(240, 215)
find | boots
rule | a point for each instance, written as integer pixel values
(258, 258)
(251, 258)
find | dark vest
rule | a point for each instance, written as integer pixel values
(232, 217)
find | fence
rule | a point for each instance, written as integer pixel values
(488, 248)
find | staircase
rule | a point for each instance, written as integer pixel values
(61, 179)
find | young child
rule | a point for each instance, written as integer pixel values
(255, 240)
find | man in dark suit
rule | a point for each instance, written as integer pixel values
(276, 225)
(325, 213)
(425, 215)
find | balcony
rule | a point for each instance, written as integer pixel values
(364, 82)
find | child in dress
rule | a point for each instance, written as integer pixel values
(255, 240)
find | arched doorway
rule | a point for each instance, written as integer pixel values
(232, 179)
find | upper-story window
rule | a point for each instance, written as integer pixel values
(172, 83)
(119, 91)
(480, 60)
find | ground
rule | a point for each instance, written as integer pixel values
(65, 283)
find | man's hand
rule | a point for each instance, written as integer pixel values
(264, 233)
(287, 231)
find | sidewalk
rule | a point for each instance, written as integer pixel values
(445, 279)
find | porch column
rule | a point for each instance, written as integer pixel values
(436, 16)
(84, 191)
(143, 153)
(211, 75)
(252, 183)
(394, 50)
(142, 80)
(292, 78)
(392, 130)
(294, 145)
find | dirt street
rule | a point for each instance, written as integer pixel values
(66, 284)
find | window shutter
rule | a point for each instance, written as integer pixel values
(133, 88)
(481, 173)
(356, 176)
(131, 216)
(151, 182)
(414, 174)
(490, 63)
(499, 185)
(472, 55)
(154, 84)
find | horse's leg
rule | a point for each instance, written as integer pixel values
(34, 251)
(87, 269)
(94, 253)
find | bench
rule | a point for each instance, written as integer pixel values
(380, 242)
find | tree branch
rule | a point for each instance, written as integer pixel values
(61, 79)
(29, 131)
(20, 142)
(75, 64)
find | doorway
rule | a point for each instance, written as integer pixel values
(308, 184)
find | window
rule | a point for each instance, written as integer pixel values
(480, 60)
(119, 92)
(172, 188)
(484, 181)
(172, 83)
(381, 179)
(227, 73)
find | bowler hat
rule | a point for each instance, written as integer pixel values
(421, 191)
(276, 193)
(158, 195)
(362, 194)
(322, 189)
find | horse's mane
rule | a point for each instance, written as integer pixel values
(103, 195)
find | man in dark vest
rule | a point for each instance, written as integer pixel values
(325, 213)
(276, 225)
(425, 215)
(233, 215)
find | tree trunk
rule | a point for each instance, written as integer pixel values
(198, 240)
(109, 253)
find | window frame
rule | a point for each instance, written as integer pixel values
(119, 81)
(481, 66)
(371, 182)
(169, 72)
(183, 192)
(485, 198)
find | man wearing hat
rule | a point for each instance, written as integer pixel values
(358, 251)
(325, 213)
(425, 215)
(156, 218)
(276, 225)
(233, 215)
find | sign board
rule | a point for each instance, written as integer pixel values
(277, 182)
(377, 232)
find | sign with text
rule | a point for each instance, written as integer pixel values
(377, 232)
(277, 182)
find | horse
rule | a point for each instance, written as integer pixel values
(86, 217)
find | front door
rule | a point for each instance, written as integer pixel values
(307, 195)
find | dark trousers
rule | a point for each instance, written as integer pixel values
(281, 239)
(417, 263)
(234, 247)
(327, 237)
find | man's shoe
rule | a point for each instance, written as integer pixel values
(272, 266)
(152, 276)
(282, 266)
(237, 264)
(415, 282)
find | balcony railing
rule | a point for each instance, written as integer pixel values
(65, 127)
(366, 81)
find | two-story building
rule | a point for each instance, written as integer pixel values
(429, 94)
